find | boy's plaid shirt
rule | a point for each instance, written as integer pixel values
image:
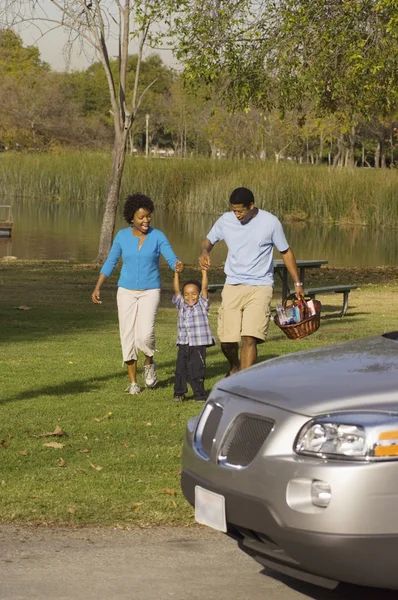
(193, 322)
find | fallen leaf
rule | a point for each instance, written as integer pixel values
(23, 452)
(70, 362)
(10, 435)
(56, 445)
(137, 506)
(71, 510)
(105, 417)
(3, 444)
(124, 444)
(85, 451)
(149, 424)
(58, 432)
(2, 482)
(132, 456)
(169, 491)
(23, 307)
(98, 420)
(61, 462)
(96, 467)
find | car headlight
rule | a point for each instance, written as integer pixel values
(357, 436)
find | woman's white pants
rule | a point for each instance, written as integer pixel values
(137, 312)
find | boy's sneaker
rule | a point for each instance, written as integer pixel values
(150, 375)
(179, 398)
(133, 389)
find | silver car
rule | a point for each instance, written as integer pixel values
(297, 459)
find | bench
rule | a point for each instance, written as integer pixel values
(312, 292)
(213, 287)
(337, 289)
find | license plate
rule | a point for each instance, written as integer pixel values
(210, 509)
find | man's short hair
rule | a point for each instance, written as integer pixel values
(242, 195)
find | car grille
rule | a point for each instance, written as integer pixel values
(204, 438)
(244, 440)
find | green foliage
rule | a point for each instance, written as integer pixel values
(337, 56)
(15, 59)
(361, 196)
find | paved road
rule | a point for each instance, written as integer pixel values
(151, 564)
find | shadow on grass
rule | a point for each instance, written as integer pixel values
(63, 389)
(21, 326)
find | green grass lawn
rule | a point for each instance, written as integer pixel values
(60, 365)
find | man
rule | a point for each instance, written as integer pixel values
(250, 234)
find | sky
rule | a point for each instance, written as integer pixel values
(52, 45)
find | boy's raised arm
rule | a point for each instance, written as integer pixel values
(205, 284)
(176, 283)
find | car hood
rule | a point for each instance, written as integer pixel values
(362, 374)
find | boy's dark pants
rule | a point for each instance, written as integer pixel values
(190, 368)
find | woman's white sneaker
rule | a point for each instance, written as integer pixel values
(133, 389)
(150, 375)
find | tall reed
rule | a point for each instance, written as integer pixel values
(293, 192)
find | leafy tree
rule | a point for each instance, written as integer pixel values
(94, 23)
(337, 56)
(15, 59)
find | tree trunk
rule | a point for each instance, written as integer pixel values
(377, 156)
(383, 160)
(351, 155)
(338, 159)
(115, 180)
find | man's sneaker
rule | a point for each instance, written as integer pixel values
(150, 375)
(133, 389)
(179, 398)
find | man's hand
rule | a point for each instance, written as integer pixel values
(178, 267)
(204, 261)
(299, 291)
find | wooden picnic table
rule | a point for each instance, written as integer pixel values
(281, 270)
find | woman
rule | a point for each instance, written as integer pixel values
(138, 295)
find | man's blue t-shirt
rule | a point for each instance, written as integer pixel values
(250, 247)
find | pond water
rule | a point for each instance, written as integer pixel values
(48, 231)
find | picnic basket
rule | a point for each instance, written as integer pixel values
(308, 325)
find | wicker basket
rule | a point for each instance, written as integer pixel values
(308, 325)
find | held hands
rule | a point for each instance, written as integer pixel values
(178, 267)
(204, 261)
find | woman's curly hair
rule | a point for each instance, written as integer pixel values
(133, 203)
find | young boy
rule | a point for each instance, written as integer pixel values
(194, 335)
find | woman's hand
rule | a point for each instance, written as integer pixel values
(178, 266)
(95, 297)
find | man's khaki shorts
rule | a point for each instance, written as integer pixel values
(244, 310)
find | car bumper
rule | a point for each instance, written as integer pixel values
(320, 558)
